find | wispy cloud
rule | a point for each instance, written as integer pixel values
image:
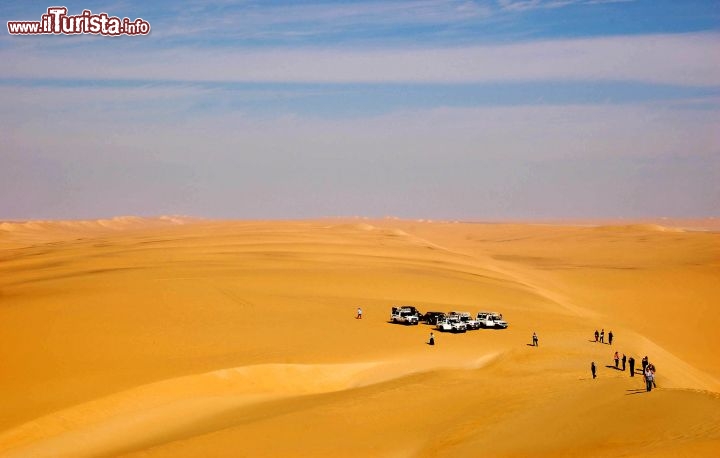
(681, 59)
(526, 5)
(315, 18)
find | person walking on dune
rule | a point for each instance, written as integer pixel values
(432, 339)
(644, 363)
(535, 340)
(359, 314)
(631, 361)
(617, 359)
(602, 336)
(623, 361)
(597, 335)
(610, 336)
(592, 368)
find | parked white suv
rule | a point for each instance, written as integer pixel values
(451, 324)
(491, 320)
(466, 318)
(404, 316)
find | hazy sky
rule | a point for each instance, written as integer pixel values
(483, 109)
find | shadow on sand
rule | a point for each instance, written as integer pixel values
(636, 391)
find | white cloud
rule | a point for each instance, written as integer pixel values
(680, 59)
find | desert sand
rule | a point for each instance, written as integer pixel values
(174, 337)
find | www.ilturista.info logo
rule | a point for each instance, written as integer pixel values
(57, 22)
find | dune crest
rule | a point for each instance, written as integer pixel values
(117, 223)
(638, 228)
(151, 413)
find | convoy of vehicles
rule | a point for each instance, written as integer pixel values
(448, 322)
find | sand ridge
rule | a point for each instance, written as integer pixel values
(160, 409)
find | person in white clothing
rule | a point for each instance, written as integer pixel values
(649, 379)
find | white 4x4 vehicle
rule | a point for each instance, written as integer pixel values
(404, 316)
(491, 320)
(451, 324)
(466, 318)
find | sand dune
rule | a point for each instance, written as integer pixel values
(180, 337)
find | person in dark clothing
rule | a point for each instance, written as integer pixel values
(597, 334)
(610, 336)
(631, 361)
(602, 336)
(617, 359)
(592, 368)
(535, 340)
(644, 363)
(623, 361)
(432, 339)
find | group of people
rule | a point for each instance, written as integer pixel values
(649, 374)
(648, 369)
(600, 336)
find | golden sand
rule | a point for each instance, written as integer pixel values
(177, 337)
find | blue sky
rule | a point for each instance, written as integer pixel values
(430, 109)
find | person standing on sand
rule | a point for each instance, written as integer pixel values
(432, 339)
(617, 359)
(602, 336)
(644, 363)
(623, 361)
(649, 379)
(610, 336)
(632, 366)
(359, 314)
(535, 340)
(597, 334)
(651, 367)
(592, 368)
